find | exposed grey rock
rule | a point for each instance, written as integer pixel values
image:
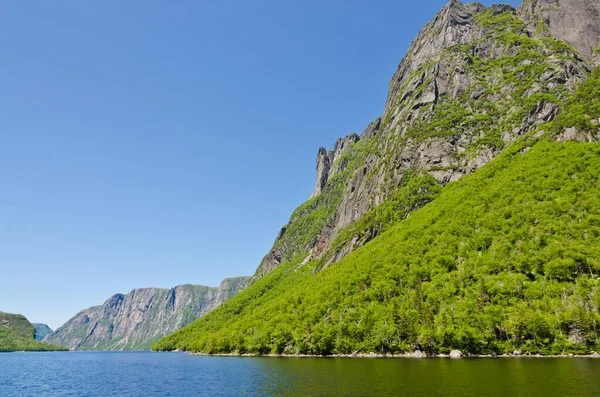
(439, 68)
(575, 337)
(341, 146)
(323, 167)
(576, 22)
(456, 354)
(271, 260)
(141, 317)
(573, 134)
(329, 163)
(372, 129)
(453, 25)
(418, 354)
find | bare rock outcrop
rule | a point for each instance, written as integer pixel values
(474, 80)
(135, 320)
(323, 168)
(329, 163)
(577, 22)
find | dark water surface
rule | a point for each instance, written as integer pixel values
(177, 374)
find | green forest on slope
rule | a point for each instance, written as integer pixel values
(17, 334)
(518, 68)
(506, 258)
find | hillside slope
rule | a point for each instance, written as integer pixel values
(17, 334)
(135, 320)
(465, 217)
(506, 259)
(41, 331)
(474, 80)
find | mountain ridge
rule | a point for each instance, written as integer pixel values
(134, 320)
(453, 62)
(480, 89)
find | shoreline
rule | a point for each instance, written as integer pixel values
(415, 355)
(406, 355)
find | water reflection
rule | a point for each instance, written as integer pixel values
(430, 377)
(182, 375)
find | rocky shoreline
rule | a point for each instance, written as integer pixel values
(455, 354)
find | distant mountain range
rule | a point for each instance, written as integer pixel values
(135, 320)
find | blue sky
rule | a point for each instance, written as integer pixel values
(154, 143)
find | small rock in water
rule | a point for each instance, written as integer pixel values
(456, 354)
(517, 353)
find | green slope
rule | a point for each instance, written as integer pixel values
(17, 324)
(506, 258)
(17, 334)
(515, 67)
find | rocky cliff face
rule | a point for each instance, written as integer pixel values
(135, 320)
(473, 81)
(577, 22)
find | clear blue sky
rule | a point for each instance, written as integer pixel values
(156, 143)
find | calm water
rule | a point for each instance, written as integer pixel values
(177, 374)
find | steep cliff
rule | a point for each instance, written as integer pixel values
(473, 81)
(135, 320)
(466, 216)
(577, 22)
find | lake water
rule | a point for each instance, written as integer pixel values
(178, 374)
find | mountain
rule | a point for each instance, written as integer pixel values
(465, 217)
(17, 334)
(135, 320)
(41, 331)
(474, 80)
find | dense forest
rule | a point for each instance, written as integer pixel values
(505, 259)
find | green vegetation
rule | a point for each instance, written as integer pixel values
(415, 192)
(510, 83)
(504, 259)
(17, 334)
(310, 218)
(17, 324)
(303, 229)
(506, 85)
(583, 110)
(11, 341)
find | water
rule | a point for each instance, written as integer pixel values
(177, 374)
